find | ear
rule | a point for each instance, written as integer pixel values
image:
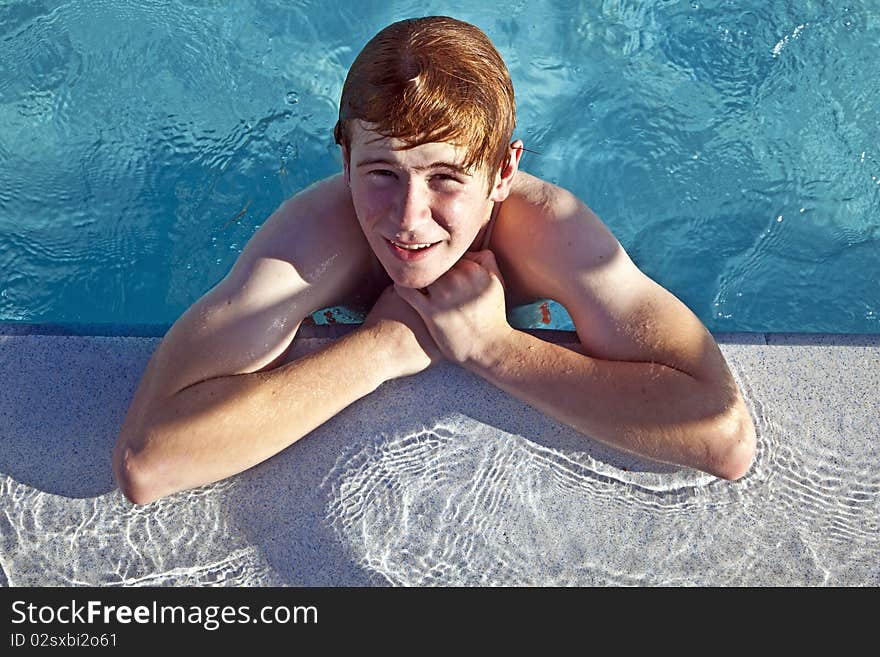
(346, 165)
(504, 178)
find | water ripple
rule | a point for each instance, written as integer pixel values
(448, 506)
(48, 540)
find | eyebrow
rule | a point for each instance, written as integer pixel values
(434, 165)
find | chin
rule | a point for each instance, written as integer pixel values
(415, 275)
(417, 281)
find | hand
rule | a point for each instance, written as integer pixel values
(411, 347)
(464, 309)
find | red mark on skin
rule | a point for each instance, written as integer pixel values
(328, 314)
(545, 313)
(626, 469)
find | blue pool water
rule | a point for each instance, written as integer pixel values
(732, 147)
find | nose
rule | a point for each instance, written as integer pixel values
(415, 211)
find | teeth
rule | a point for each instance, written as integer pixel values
(411, 247)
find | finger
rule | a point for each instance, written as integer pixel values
(476, 257)
(486, 259)
(483, 257)
(489, 260)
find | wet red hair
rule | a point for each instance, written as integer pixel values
(433, 79)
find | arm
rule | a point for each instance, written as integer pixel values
(219, 427)
(666, 390)
(222, 426)
(648, 409)
(219, 394)
(649, 378)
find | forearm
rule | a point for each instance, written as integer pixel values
(223, 426)
(647, 409)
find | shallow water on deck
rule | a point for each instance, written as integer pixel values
(462, 502)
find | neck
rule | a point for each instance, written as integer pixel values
(481, 235)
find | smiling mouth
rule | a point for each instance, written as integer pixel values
(412, 247)
(410, 252)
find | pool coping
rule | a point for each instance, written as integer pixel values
(70, 384)
(332, 331)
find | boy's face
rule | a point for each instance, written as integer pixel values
(416, 196)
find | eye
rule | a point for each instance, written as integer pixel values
(446, 178)
(381, 173)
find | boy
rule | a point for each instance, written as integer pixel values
(432, 226)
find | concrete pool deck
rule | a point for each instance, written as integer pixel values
(442, 479)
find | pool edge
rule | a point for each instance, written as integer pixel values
(330, 331)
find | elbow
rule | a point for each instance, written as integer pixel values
(132, 476)
(734, 452)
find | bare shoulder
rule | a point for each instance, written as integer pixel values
(568, 254)
(304, 257)
(315, 232)
(308, 253)
(548, 212)
(543, 227)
